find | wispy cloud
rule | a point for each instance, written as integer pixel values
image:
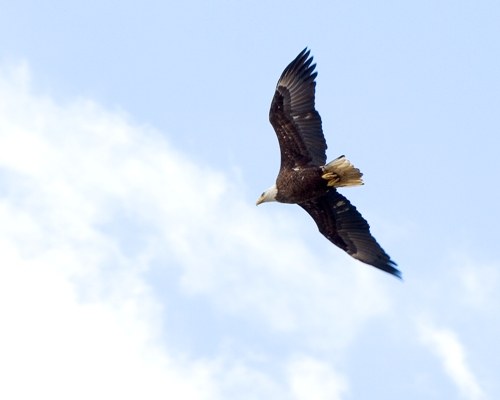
(445, 344)
(479, 282)
(313, 379)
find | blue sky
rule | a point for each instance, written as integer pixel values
(134, 141)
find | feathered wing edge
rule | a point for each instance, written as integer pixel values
(293, 116)
(339, 221)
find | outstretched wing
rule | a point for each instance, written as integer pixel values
(343, 225)
(293, 117)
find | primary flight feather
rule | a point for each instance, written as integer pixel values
(304, 177)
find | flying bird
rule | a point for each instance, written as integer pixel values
(306, 179)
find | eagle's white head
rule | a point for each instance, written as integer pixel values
(268, 195)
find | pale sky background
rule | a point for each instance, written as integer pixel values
(134, 141)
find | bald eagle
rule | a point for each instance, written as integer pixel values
(306, 179)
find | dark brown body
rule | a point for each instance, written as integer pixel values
(301, 184)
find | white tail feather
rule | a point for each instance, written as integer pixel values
(340, 173)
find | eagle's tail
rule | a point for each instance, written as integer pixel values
(340, 172)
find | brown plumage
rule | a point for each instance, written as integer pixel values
(305, 179)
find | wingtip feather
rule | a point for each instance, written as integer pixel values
(390, 267)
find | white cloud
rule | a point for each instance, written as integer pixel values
(313, 379)
(54, 346)
(450, 351)
(90, 202)
(479, 283)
